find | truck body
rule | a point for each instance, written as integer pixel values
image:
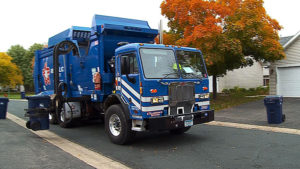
(115, 71)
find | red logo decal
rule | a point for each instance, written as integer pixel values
(157, 113)
(46, 74)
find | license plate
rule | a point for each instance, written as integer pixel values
(188, 123)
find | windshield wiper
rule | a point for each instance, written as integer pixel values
(168, 74)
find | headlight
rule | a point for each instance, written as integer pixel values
(155, 100)
(204, 96)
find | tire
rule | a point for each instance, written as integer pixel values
(118, 125)
(53, 118)
(179, 130)
(28, 124)
(63, 122)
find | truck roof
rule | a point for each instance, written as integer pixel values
(135, 46)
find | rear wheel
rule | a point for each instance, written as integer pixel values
(64, 122)
(179, 130)
(117, 125)
(53, 118)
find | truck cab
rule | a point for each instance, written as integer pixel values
(162, 87)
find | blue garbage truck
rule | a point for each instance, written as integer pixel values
(115, 71)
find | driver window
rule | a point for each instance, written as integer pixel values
(133, 66)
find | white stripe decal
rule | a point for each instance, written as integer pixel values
(144, 109)
(154, 108)
(132, 99)
(136, 94)
(203, 103)
(148, 99)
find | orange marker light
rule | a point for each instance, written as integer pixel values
(153, 90)
(205, 88)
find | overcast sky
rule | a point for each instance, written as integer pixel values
(26, 22)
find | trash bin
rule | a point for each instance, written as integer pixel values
(38, 112)
(22, 95)
(274, 109)
(3, 107)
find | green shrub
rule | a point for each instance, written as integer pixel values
(247, 92)
(226, 91)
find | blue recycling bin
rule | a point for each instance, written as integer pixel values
(22, 95)
(38, 112)
(273, 106)
(3, 107)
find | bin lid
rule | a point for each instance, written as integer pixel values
(273, 97)
(38, 97)
(5, 99)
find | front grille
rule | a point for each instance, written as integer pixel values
(181, 96)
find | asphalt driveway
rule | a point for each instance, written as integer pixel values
(255, 113)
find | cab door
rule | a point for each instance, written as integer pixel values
(130, 78)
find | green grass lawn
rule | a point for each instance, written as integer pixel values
(13, 95)
(230, 100)
(223, 101)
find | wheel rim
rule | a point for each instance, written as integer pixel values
(62, 115)
(115, 125)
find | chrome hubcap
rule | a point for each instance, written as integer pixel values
(115, 125)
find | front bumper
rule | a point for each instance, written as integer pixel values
(178, 121)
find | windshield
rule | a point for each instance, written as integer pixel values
(191, 64)
(159, 63)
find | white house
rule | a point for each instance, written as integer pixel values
(246, 77)
(253, 76)
(285, 73)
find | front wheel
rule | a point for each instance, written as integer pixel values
(117, 125)
(179, 130)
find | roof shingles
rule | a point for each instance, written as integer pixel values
(284, 40)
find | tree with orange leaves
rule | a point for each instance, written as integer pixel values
(225, 31)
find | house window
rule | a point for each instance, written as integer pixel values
(266, 81)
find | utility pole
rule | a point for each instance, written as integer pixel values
(161, 32)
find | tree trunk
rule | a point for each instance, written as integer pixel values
(214, 87)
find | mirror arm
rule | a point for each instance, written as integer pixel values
(131, 79)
